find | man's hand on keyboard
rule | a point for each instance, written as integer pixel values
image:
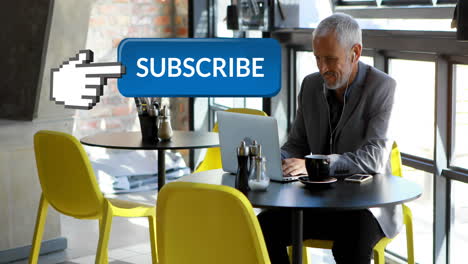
(293, 166)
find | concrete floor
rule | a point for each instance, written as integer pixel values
(128, 242)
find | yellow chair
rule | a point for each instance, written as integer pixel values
(379, 248)
(212, 159)
(209, 224)
(69, 185)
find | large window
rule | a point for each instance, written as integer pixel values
(423, 211)
(305, 65)
(422, 15)
(414, 133)
(229, 102)
(221, 19)
(406, 24)
(459, 227)
(414, 106)
(221, 30)
(401, 3)
(367, 60)
(460, 75)
(223, 103)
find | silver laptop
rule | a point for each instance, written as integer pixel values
(234, 127)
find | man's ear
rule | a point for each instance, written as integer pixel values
(356, 49)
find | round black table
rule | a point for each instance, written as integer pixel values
(382, 190)
(132, 140)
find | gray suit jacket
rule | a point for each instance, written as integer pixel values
(361, 142)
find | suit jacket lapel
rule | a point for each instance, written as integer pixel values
(352, 102)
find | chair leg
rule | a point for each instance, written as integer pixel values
(105, 252)
(379, 250)
(39, 230)
(152, 229)
(305, 255)
(410, 245)
(105, 224)
(379, 256)
(409, 234)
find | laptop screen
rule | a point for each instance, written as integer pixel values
(235, 127)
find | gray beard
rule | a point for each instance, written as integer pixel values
(339, 83)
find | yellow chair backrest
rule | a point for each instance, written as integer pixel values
(241, 111)
(66, 176)
(395, 161)
(209, 224)
(212, 159)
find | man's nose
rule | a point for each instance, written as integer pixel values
(322, 66)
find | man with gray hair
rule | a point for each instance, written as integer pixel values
(343, 112)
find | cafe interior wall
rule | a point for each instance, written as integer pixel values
(94, 24)
(19, 185)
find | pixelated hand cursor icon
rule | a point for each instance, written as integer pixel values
(79, 84)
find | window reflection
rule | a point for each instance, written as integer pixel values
(459, 221)
(414, 106)
(406, 24)
(305, 65)
(460, 158)
(224, 101)
(367, 60)
(422, 210)
(230, 102)
(221, 20)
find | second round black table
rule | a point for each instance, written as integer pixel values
(382, 190)
(132, 140)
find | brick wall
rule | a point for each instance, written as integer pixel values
(109, 23)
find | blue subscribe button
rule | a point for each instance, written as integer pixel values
(200, 67)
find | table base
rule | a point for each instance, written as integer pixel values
(297, 231)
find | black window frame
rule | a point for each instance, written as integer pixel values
(392, 2)
(442, 2)
(356, 3)
(405, 2)
(409, 9)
